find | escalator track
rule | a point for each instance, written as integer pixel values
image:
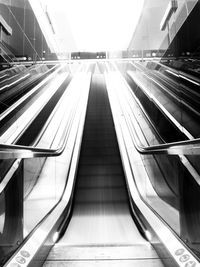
(101, 227)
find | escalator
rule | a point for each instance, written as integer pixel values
(101, 229)
(95, 203)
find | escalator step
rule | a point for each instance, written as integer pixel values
(101, 194)
(100, 170)
(101, 181)
(100, 177)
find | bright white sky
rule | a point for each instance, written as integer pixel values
(94, 25)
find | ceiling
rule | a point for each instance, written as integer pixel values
(92, 25)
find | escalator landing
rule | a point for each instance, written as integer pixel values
(102, 236)
(140, 255)
(102, 225)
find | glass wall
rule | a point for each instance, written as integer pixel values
(26, 39)
(29, 195)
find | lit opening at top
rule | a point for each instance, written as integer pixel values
(95, 25)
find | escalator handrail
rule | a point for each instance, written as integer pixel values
(180, 73)
(22, 152)
(165, 112)
(188, 147)
(13, 151)
(154, 78)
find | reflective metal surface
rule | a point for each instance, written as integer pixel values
(35, 186)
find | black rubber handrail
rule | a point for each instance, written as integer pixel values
(189, 147)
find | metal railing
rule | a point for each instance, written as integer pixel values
(189, 147)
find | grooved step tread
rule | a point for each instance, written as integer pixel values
(106, 144)
(107, 252)
(106, 160)
(100, 194)
(106, 263)
(100, 170)
(100, 149)
(139, 255)
(101, 181)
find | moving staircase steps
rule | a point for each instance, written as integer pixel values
(100, 176)
(99, 181)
